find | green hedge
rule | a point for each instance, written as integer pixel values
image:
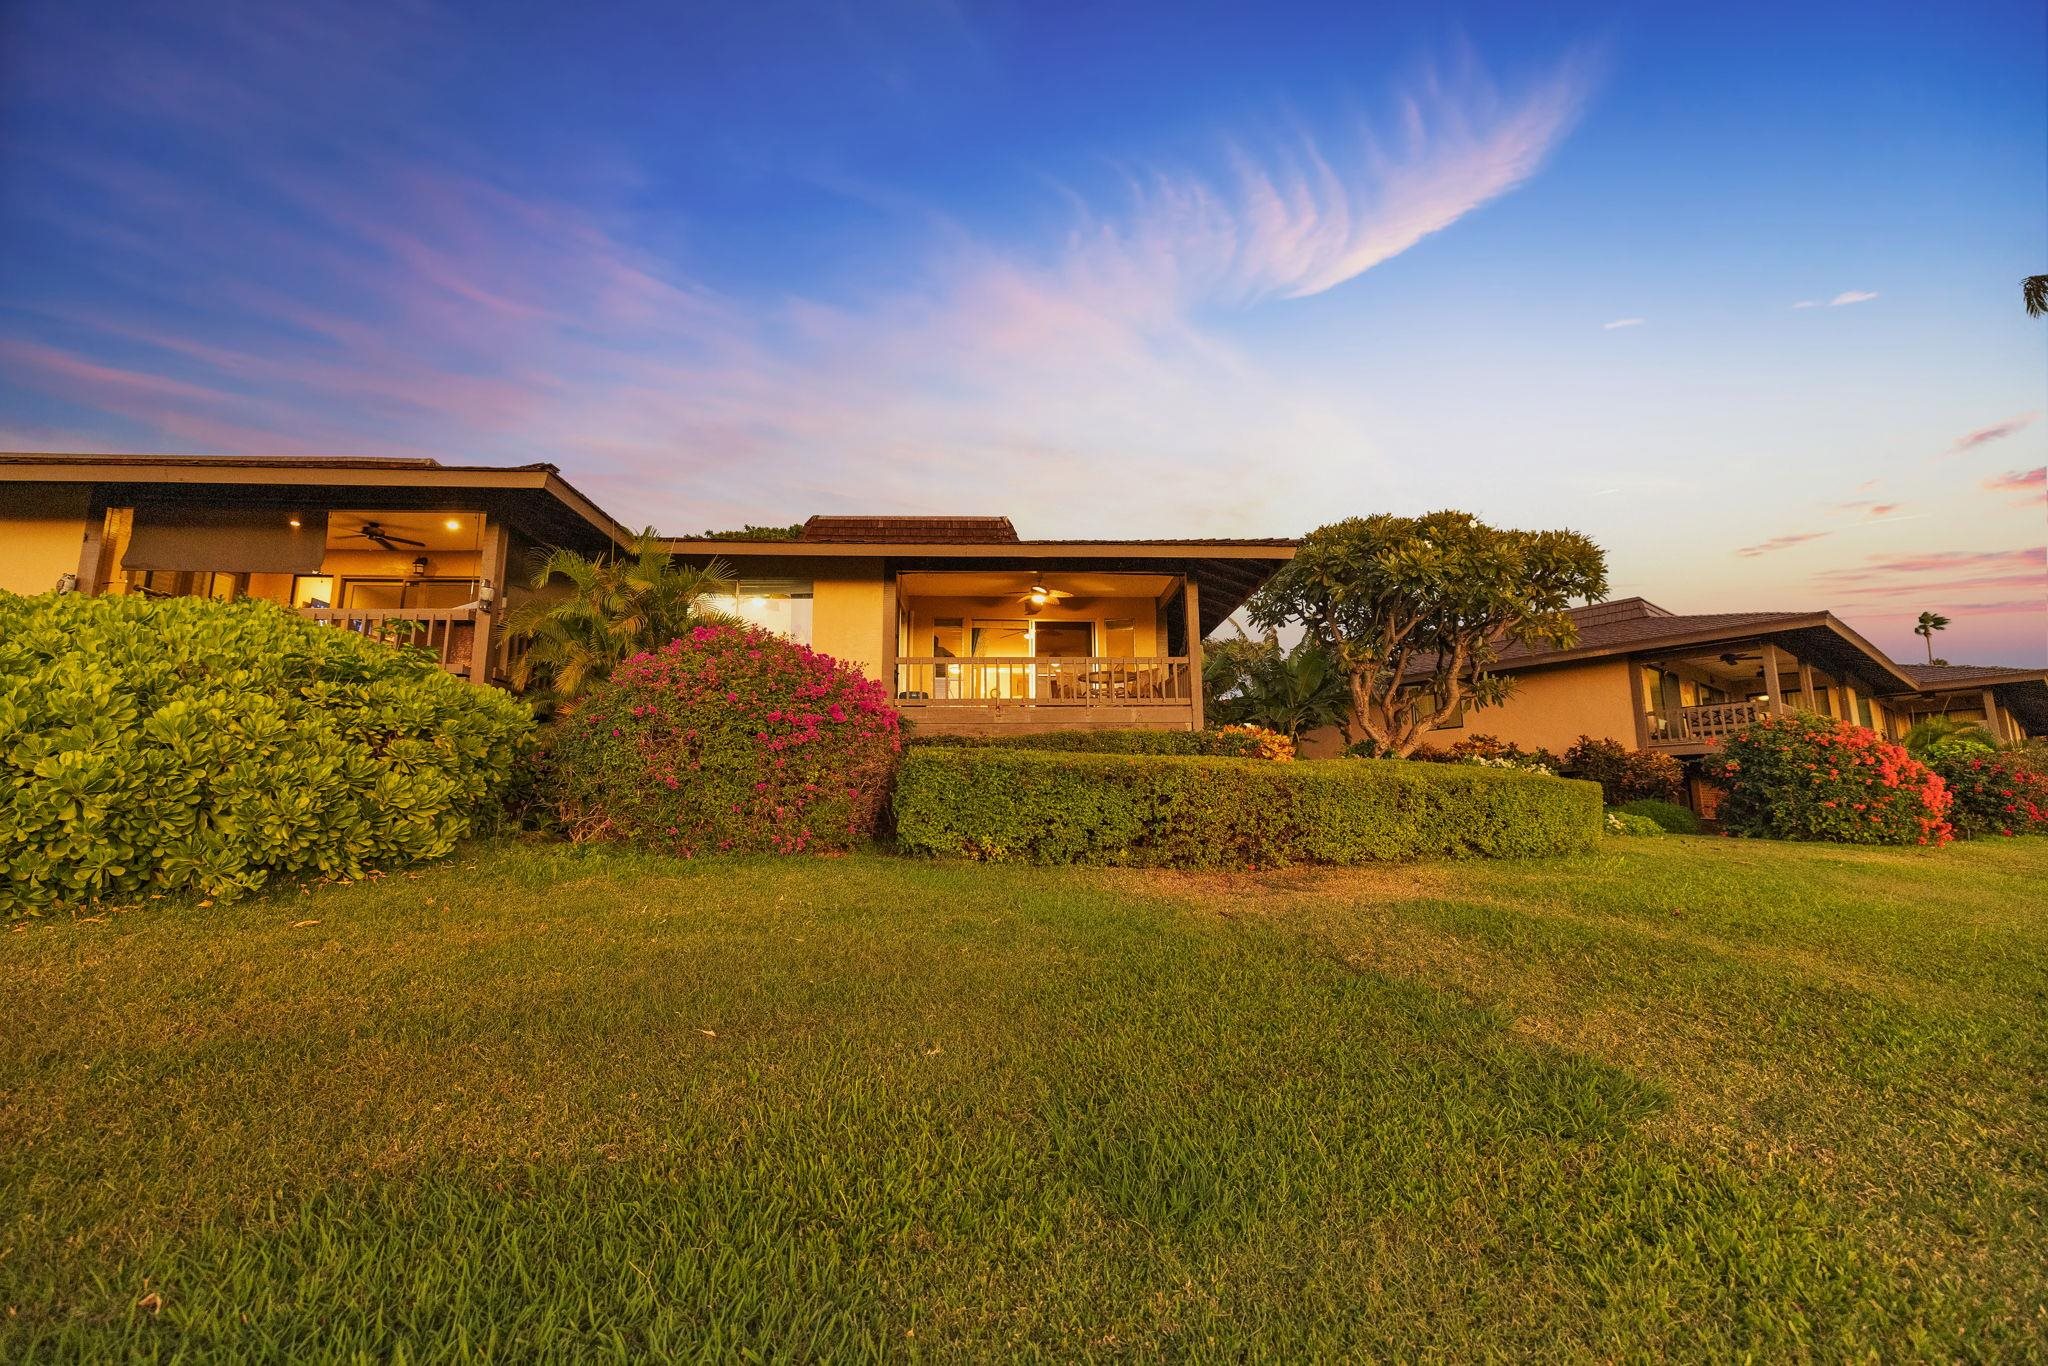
(1035, 807)
(1670, 817)
(1213, 744)
(186, 745)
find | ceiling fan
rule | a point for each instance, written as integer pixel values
(374, 531)
(1038, 596)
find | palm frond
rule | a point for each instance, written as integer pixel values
(2034, 291)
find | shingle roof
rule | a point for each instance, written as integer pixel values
(910, 530)
(1634, 621)
(1934, 675)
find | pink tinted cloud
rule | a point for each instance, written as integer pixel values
(1939, 573)
(2028, 485)
(1984, 436)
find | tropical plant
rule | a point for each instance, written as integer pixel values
(189, 745)
(1414, 611)
(1807, 777)
(1935, 737)
(1294, 691)
(603, 611)
(1265, 742)
(2034, 291)
(730, 738)
(1929, 623)
(1625, 775)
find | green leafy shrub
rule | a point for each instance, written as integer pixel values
(729, 739)
(1628, 823)
(1941, 737)
(190, 745)
(1625, 775)
(1994, 793)
(1231, 742)
(1036, 807)
(1670, 817)
(1807, 777)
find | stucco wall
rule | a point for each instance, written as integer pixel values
(41, 533)
(846, 611)
(1550, 709)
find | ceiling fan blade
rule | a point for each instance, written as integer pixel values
(404, 540)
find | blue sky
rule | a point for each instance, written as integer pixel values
(1129, 270)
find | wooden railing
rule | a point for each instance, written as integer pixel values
(446, 632)
(1702, 725)
(1043, 682)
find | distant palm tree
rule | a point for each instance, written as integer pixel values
(1930, 622)
(611, 608)
(2034, 289)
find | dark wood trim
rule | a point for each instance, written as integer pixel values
(1193, 593)
(891, 628)
(1641, 704)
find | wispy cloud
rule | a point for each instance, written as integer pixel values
(2028, 485)
(1872, 511)
(1938, 574)
(440, 305)
(1847, 296)
(1785, 542)
(1622, 322)
(1984, 436)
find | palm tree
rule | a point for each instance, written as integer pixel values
(614, 607)
(2034, 289)
(1930, 622)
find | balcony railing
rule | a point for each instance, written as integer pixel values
(446, 632)
(1091, 682)
(1708, 724)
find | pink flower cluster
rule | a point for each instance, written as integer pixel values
(731, 738)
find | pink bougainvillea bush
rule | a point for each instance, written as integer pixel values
(1805, 777)
(731, 739)
(1995, 794)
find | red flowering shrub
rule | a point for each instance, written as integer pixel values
(730, 739)
(1625, 775)
(1995, 794)
(1806, 777)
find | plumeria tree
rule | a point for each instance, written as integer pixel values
(1414, 611)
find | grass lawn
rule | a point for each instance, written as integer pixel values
(1683, 1097)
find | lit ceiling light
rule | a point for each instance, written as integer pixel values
(1039, 595)
(295, 522)
(452, 524)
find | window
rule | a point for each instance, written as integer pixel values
(1002, 640)
(313, 590)
(779, 605)
(425, 594)
(187, 583)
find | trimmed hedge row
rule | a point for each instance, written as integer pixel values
(1163, 811)
(1232, 744)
